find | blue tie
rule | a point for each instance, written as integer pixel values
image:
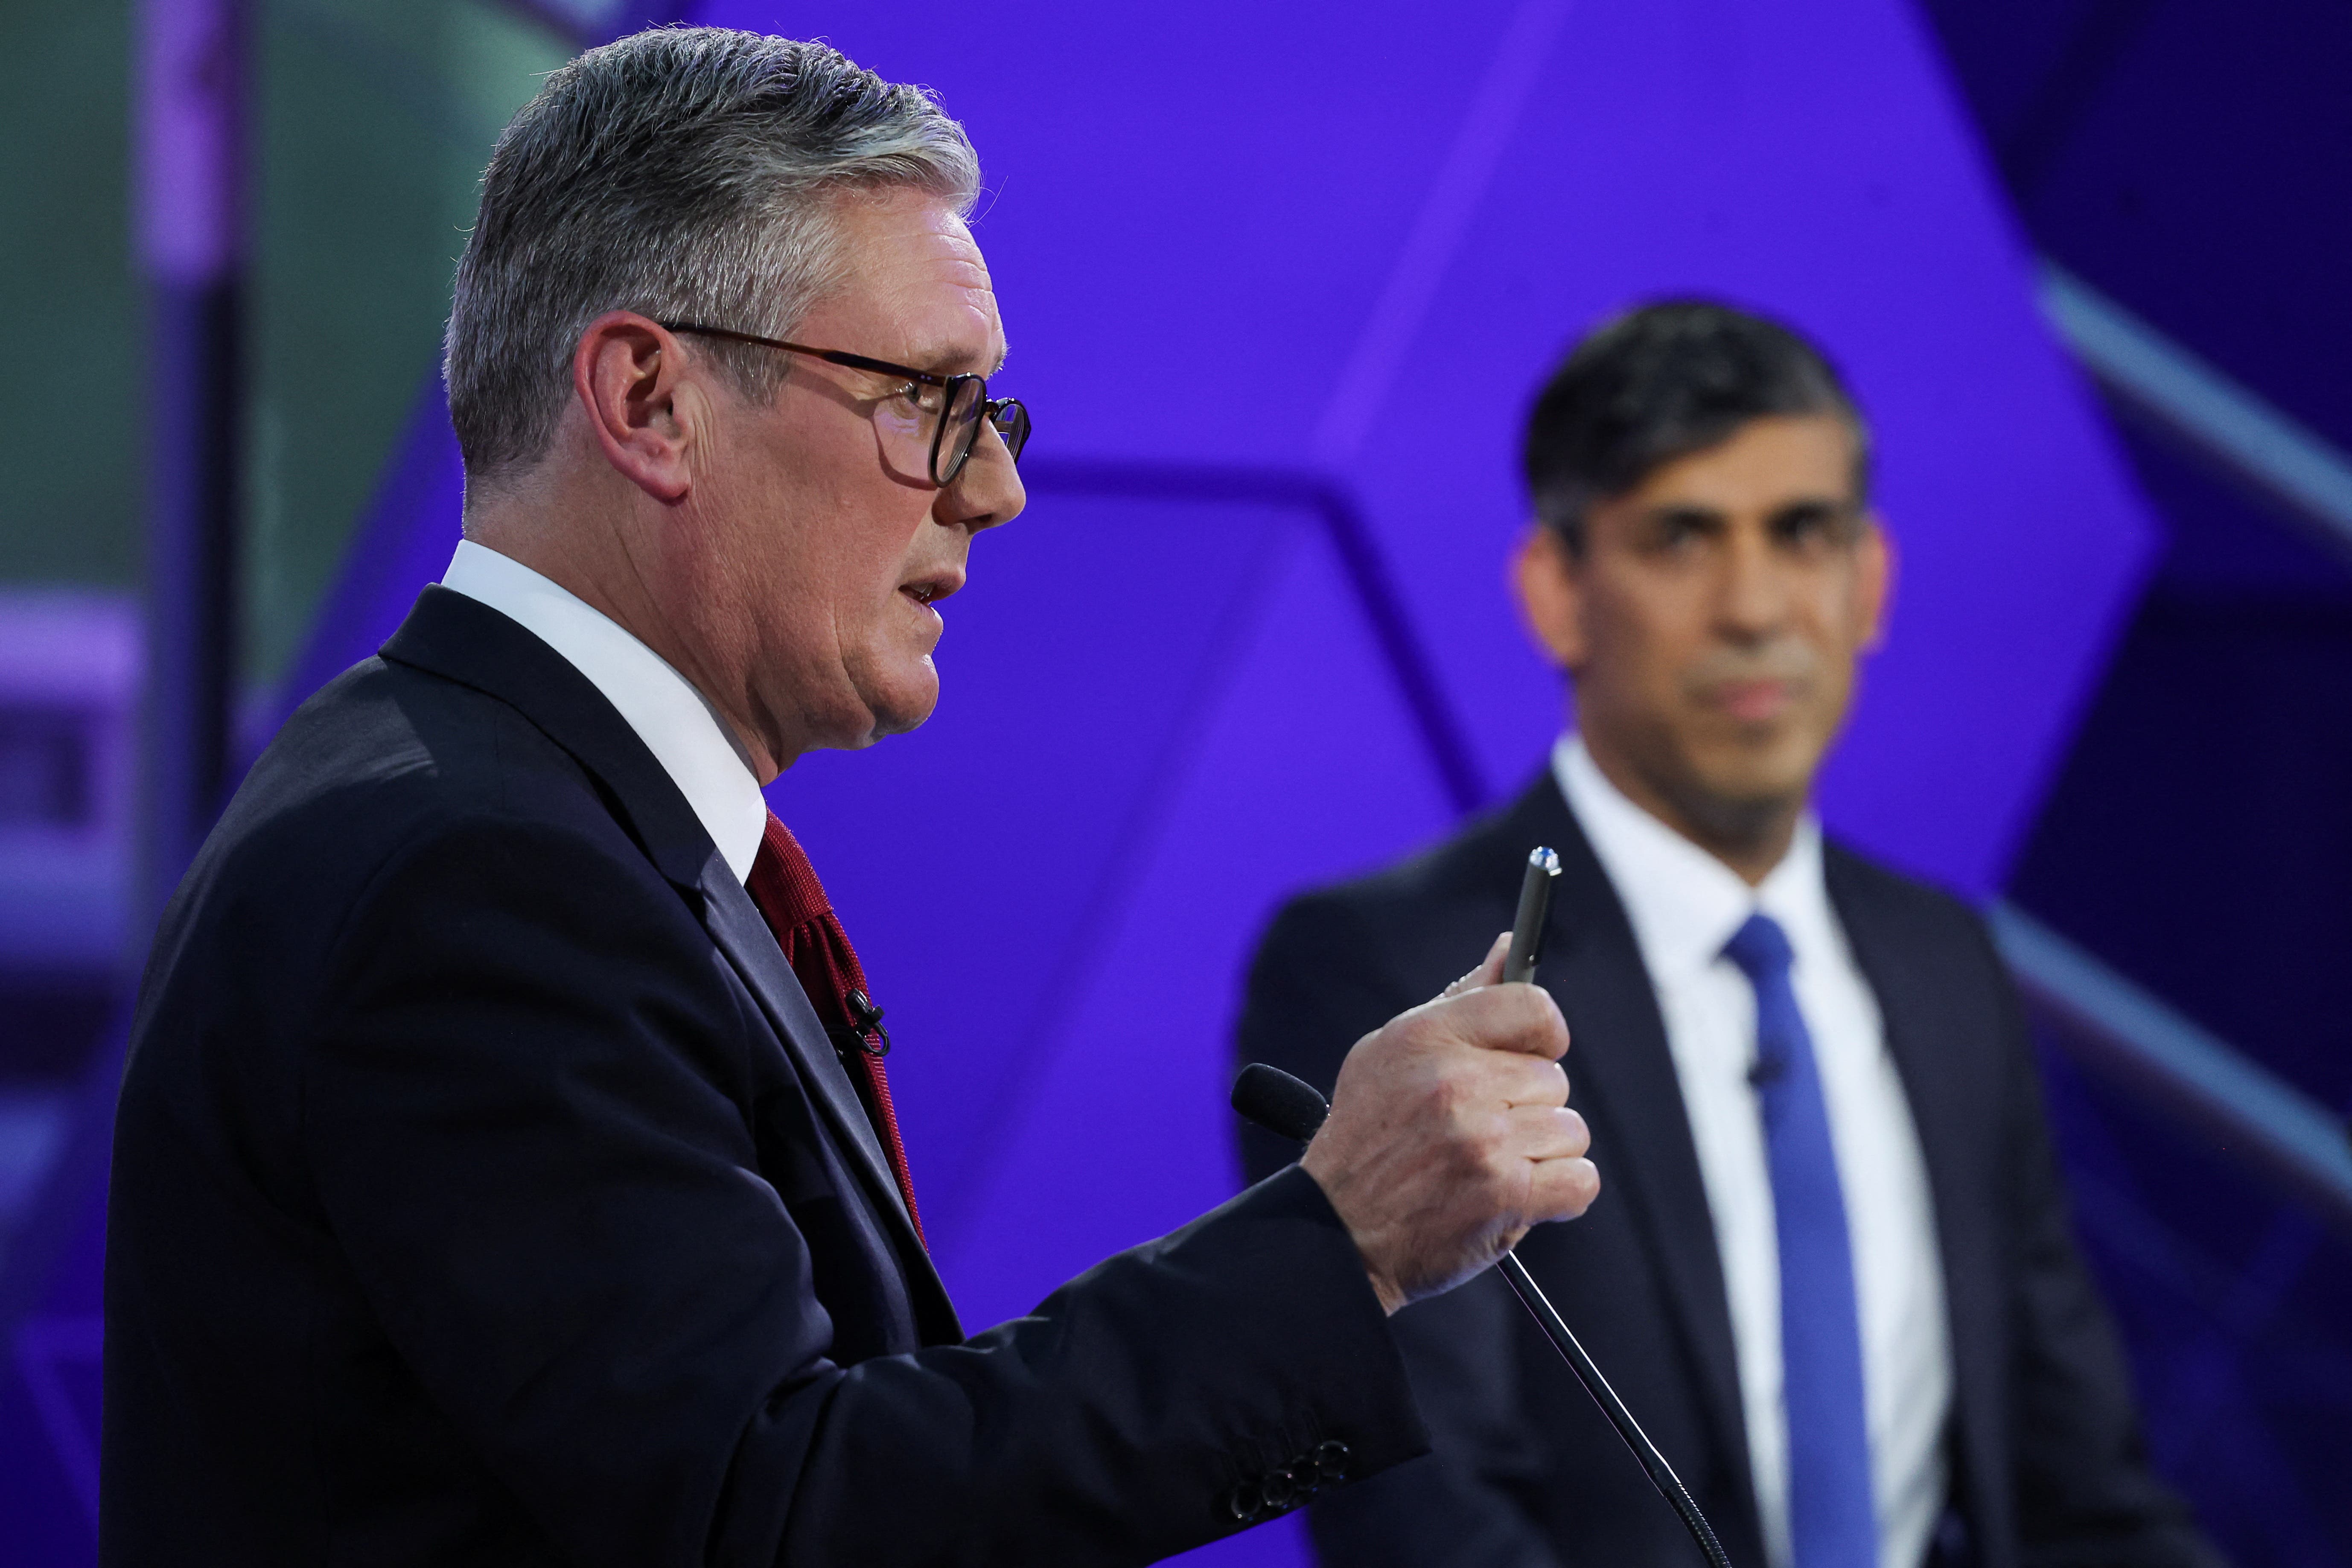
(1832, 1520)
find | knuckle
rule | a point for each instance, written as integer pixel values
(1474, 1154)
(1502, 1178)
(1579, 1134)
(1448, 1097)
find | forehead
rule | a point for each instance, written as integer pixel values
(917, 287)
(1764, 463)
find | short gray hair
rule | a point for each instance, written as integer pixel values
(683, 174)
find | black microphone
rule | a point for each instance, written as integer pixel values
(1294, 1108)
(1289, 1107)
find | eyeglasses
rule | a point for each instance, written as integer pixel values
(947, 409)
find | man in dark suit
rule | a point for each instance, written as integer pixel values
(1832, 1274)
(506, 1171)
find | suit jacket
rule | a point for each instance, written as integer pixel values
(2047, 1462)
(486, 1190)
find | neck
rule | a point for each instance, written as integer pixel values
(1751, 836)
(596, 553)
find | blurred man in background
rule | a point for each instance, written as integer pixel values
(1833, 1274)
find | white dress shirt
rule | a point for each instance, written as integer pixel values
(1685, 904)
(676, 723)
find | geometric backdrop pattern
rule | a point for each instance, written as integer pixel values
(1335, 246)
(1349, 239)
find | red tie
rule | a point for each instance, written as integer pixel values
(793, 901)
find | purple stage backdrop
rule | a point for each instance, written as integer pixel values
(1279, 281)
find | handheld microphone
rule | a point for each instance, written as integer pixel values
(1294, 1108)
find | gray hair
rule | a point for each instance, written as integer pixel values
(683, 174)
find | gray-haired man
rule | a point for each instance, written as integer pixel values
(506, 1171)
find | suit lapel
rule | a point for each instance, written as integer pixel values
(1932, 1069)
(1944, 1083)
(735, 925)
(1592, 966)
(463, 640)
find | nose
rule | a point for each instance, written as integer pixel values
(987, 492)
(1754, 597)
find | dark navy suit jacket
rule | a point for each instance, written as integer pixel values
(2046, 1451)
(485, 1191)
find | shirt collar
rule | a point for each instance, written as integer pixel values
(1683, 902)
(676, 721)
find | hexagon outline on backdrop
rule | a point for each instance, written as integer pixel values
(403, 542)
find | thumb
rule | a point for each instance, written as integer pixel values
(1488, 973)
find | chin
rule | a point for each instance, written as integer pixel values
(905, 708)
(1763, 777)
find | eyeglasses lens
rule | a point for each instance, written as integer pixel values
(1012, 421)
(959, 423)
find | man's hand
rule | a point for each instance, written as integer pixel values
(1450, 1136)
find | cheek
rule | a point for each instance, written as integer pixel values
(1649, 640)
(1833, 686)
(823, 547)
(1838, 629)
(880, 628)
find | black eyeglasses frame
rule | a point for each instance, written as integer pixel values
(1014, 434)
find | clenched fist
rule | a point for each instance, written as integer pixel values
(1450, 1136)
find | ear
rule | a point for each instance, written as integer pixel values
(1546, 579)
(1876, 562)
(628, 372)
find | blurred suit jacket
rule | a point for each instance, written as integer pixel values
(1524, 1471)
(485, 1191)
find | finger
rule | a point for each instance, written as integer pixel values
(1561, 1189)
(1488, 973)
(1520, 1080)
(1541, 1133)
(1518, 1018)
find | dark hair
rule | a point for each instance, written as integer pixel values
(1660, 382)
(682, 172)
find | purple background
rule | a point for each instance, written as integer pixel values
(1361, 272)
(1279, 281)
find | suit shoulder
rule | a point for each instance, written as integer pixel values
(1918, 912)
(384, 757)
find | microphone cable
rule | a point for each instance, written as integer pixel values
(1292, 1108)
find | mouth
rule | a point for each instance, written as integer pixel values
(1755, 702)
(929, 590)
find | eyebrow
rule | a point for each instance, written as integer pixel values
(1688, 509)
(941, 360)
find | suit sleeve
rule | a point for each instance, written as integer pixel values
(522, 1115)
(2085, 1492)
(1320, 981)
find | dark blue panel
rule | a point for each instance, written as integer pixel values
(2191, 163)
(2234, 1308)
